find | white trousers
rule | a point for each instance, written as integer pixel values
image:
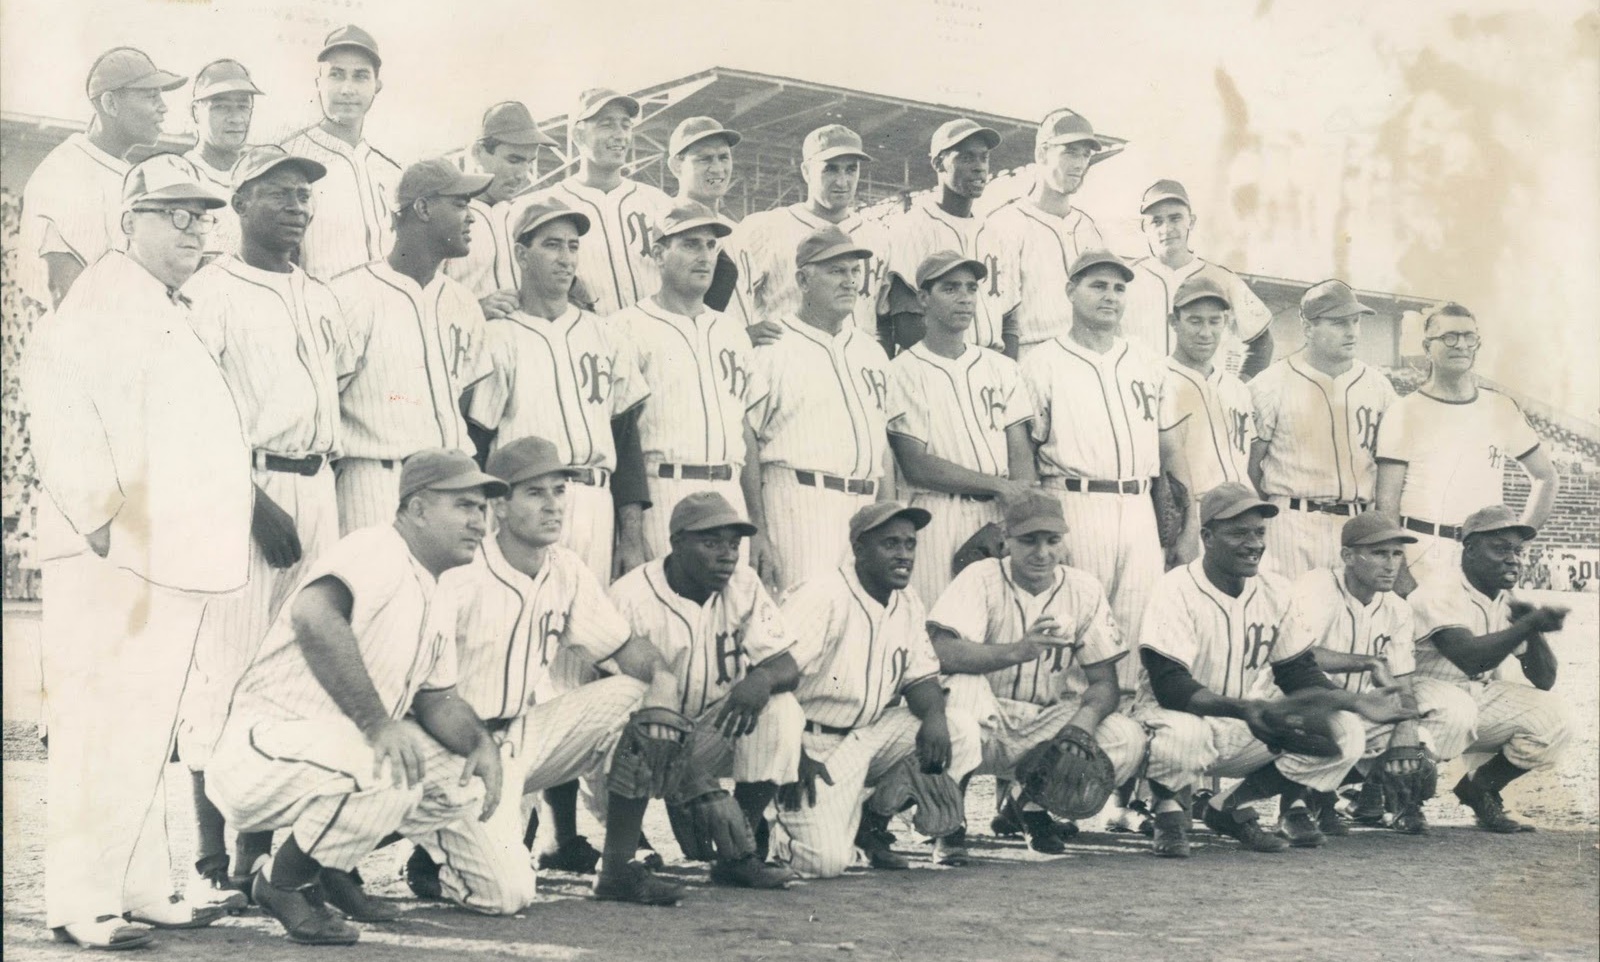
(665, 493)
(1433, 557)
(1298, 541)
(368, 492)
(955, 519)
(1010, 728)
(1185, 747)
(809, 527)
(1450, 718)
(1530, 726)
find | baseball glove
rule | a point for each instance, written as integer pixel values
(1292, 729)
(1069, 775)
(646, 763)
(988, 541)
(1172, 509)
(940, 809)
(711, 827)
(1403, 791)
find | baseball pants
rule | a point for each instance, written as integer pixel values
(955, 519)
(1185, 747)
(820, 839)
(234, 625)
(1450, 716)
(117, 667)
(1530, 726)
(368, 492)
(809, 527)
(771, 753)
(1298, 541)
(1010, 728)
(1433, 557)
(665, 493)
(590, 526)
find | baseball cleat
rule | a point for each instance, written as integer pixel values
(634, 883)
(1300, 829)
(422, 875)
(1488, 807)
(1042, 834)
(952, 849)
(176, 913)
(574, 854)
(1135, 819)
(1329, 820)
(750, 872)
(108, 932)
(344, 892)
(1171, 835)
(876, 842)
(1005, 824)
(1368, 810)
(304, 921)
(1245, 825)
(214, 887)
(1410, 822)
(651, 859)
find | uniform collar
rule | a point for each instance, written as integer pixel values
(967, 359)
(1472, 591)
(846, 328)
(568, 318)
(1197, 571)
(382, 269)
(574, 183)
(1055, 582)
(655, 574)
(848, 572)
(1378, 597)
(1183, 370)
(100, 156)
(328, 141)
(1156, 266)
(496, 561)
(1298, 363)
(803, 212)
(1119, 347)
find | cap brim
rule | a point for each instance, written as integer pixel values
(1383, 537)
(1145, 207)
(919, 518)
(1123, 269)
(731, 136)
(470, 185)
(1075, 139)
(528, 137)
(228, 87)
(840, 250)
(163, 80)
(540, 471)
(377, 61)
(467, 480)
(719, 227)
(833, 152)
(1267, 509)
(1205, 296)
(1528, 532)
(632, 105)
(194, 192)
(577, 217)
(313, 170)
(745, 528)
(1036, 525)
(976, 266)
(990, 137)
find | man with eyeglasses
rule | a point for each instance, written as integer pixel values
(1443, 450)
(138, 444)
(222, 105)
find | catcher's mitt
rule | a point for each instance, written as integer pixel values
(1291, 729)
(988, 541)
(1069, 775)
(711, 827)
(940, 809)
(1172, 509)
(646, 764)
(1403, 791)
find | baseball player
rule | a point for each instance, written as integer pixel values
(417, 339)
(957, 415)
(700, 156)
(1467, 627)
(1361, 634)
(1207, 417)
(765, 245)
(72, 204)
(347, 726)
(1028, 645)
(615, 264)
(1168, 220)
(1317, 415)
(1443, 449)
(861, 643)
(354, 223)
(732, 656)
(139, 448)
(1029, 243)
(221, 105)
(506, 149)
(959, 152)
(1208, 641)
(819, 414)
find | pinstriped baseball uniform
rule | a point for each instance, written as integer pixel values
(924, 229)
(1029, 253)
(563, 380)
(1456, 454)
(819, 416)
(1229, 645)
(1531, 727)
(72, 204)
(698, 373)
(1321, 433)
(1322, 613)
(1027, 704)
(225, 236)
(1217, 420)
(1150, 303)
(354, 221)
(764, 247)
(856, 656)
(416, 350)
(614, 259)
(1095, 419)
(290, 758)
(490, 264)
(960, 410)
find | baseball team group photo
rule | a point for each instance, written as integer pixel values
(754, 516)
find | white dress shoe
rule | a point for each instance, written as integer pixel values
(177, 913)
(106, 932)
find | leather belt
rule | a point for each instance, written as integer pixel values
(847, 485)
(1345, 509)
(593, 477)
(498, 725)
(818, 728)
(696, 472)
(307, 466)
(1097, 486)
(1451, 531)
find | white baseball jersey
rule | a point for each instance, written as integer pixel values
(490, 264)
(562, 380)
(764, 249)
(72, 204)
(1216, 417)
(416, 350)
(354, 212)
(614, 257)
(1324, 614)
(1452, 602)
(855, 655)
(1228, 644)
(1321, 432)
(509, 627)
(1150, 302)
(961, 407)
(1455, 452)
(925, 229)
(1095, 414)
(1029, 254)
(225, 237)
(822, 401)
(709, 647)
(984, 604)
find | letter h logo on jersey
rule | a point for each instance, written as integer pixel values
(877, 384)
(552, 625)
(735, 376)
(639, 232)
(1258, 644)
(595, 377)
(993, 405)
(1367, 421)
(1145, 398)
(460, 349)
(1237, 430)
(730, 655)
(899, 664)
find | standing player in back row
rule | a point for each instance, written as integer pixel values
(700, 155)
(223, 102)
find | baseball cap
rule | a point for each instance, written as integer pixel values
(687, 216)
(535, 216)
(167, 177)
(1372, 528)
(223, 77)
(437, 178)
(524, 458)
(879, 513)
(511, 123)
(1197, 288)
(1097, 256)
(834, 140)
(1163, 190)
(940, 263)
(595, 99)
(1035, 512)
(953, 132)
(123, 67)
(1066, 127)
(257, 161)
(1231, 499)
(1496, 517)
(705, 510)
(695, 129)
(826, 243)
(351, 35)
(1331, 298)
(438, 469)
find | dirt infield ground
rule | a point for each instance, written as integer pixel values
(1457, 894)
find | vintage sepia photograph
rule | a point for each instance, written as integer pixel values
(800, 480)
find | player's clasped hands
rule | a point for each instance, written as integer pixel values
(397, 746)
(1542, 618)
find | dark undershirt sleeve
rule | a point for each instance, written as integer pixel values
(1300, 673)
(1171, 682)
